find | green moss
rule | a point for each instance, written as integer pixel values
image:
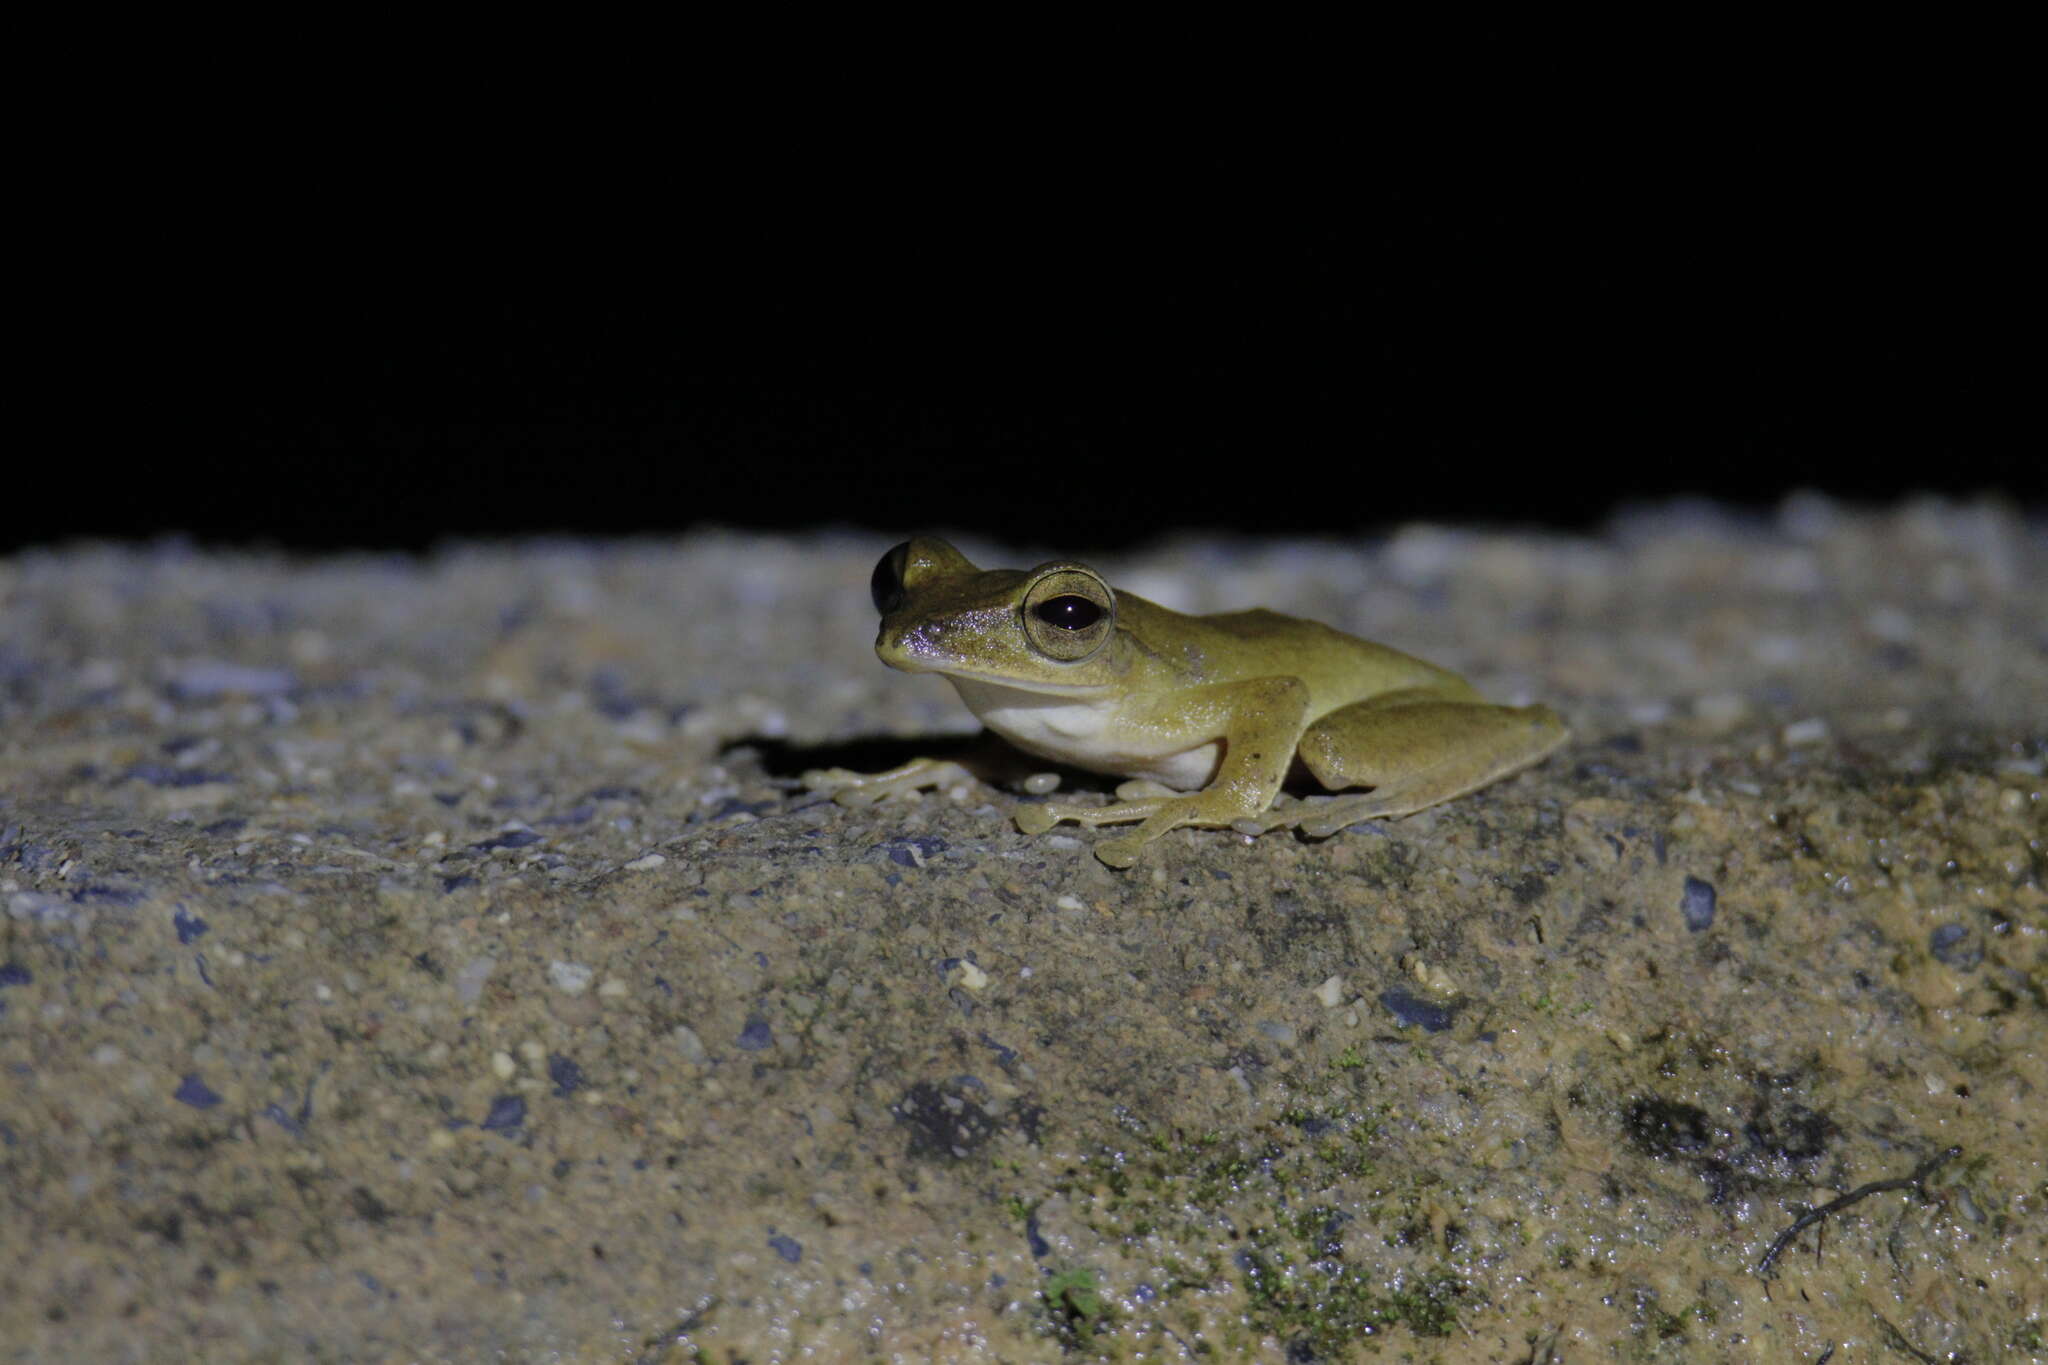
(1322, 1308)
(1307, 1262)
(1075, 1302)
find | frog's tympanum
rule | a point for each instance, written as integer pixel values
(1205, 713)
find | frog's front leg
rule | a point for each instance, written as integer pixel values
(1414, 748)
(1259, 722)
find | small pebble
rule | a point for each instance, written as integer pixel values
(207, 680)
(565, 1073)
(756, 1036)
(1696, 903)
(1281, 1033)
(508, 1112)
(690, 1045)
(1070, 902)
(570, 978)
(1953, 946)
(1722, 710)
(1410, 1009)
(1331, 992)
(503, 1065)
(196, 1093)
(1813, 730)
(469, 981)
(646, 863)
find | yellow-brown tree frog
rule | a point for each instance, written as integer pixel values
(1205, 713)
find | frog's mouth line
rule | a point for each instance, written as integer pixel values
(1002, 682)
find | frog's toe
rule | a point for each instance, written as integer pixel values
(1331, 816)
(1143, 789)
(1119, 853)
(1037, 819)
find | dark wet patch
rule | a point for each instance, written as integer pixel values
(1789, 1132)
(1665, 1129)
(943, 1120)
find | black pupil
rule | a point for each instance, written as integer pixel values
(1069, 612)
(886, 586)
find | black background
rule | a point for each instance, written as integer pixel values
(1076, 346)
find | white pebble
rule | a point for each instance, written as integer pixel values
(1331, 992)
(469, 981)
(1812, 730)
(1721, 709)
(646, 862)
(570, 978)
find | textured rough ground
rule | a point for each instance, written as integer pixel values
(435, 960)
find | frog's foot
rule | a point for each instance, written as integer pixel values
(1156, 815)
(1285, 813)
(1042, 816)
(1136, 800)
(1321, 817)
(850, 788)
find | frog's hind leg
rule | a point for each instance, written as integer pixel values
(1414, 749)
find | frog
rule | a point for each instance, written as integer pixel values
(1205, 716)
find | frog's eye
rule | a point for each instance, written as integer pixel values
(886, 586)
(1068, 614)
(1072, 612)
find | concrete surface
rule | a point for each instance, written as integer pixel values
(437, 960)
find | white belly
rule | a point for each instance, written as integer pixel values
(1083, 732)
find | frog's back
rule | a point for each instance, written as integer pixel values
(1339, 668)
